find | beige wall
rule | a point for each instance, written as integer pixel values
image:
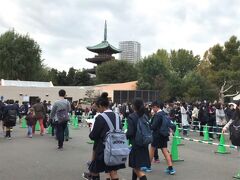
(109, 88)
(48, 93)
(51, 93)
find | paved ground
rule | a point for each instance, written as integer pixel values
(37, 159)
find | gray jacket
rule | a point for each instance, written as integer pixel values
(59, 105)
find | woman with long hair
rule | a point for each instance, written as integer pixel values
(139, 156)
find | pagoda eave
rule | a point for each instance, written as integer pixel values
(104, 50)
(91, 71)
(104, 47)
(100, 60)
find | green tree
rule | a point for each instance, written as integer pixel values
(20, 57)
(224, 67)
(71, 75)
(53, 76)
(62, 78)
(82, 78)
(163, 56)
(116, 72)
(183, 61)
(153, 75)
(197, 87)
(175, 86)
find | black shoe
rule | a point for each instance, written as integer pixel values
(66, 139)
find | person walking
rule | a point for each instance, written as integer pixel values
(40, 114)
(139, 155)
(233, 126)
(31, 119)
(98, 134)
(160, 140)
(10, 113)
(59, 115)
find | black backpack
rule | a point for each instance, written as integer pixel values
(144, 134)
(235, 132)
(12, 115)
(167, 124)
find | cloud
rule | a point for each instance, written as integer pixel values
(64, 28)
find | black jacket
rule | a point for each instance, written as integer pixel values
(156, 124)
(98, 134)
(203, 115)
(8, 123)
(139, 156)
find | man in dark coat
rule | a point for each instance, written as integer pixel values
(40, 114)
(10, 113)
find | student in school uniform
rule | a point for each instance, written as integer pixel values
(98, 134)
(139, 156)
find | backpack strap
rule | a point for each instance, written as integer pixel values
(109, 122)
(117, 122)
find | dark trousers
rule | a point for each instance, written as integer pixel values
(53, 130)
(185, 130)
(195, 124)
(60, 133)
(66, 132)
(210, 129)
(201, 127)
(8, 133)
(156, 156)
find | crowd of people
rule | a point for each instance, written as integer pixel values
(217, 116)
(11, 111)
(161, 119)
(189, 115)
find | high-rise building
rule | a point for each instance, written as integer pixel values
(131, 51)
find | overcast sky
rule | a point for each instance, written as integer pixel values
(64, 28)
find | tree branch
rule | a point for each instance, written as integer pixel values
(224, 84)
(227, 89)
(231, 95)
(222, 87)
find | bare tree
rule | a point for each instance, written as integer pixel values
(90, 94)
(224, 90)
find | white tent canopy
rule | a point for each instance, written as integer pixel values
(25, 83)
(236, 97)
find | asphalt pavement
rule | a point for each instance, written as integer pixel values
(24, 158)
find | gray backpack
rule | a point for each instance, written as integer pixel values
(116, 147)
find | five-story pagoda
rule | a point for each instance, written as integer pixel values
(104, 51)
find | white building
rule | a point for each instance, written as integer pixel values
(131, 51)
(29, 91)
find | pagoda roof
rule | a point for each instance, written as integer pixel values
(104, 46)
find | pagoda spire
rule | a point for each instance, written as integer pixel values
(105, 31)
